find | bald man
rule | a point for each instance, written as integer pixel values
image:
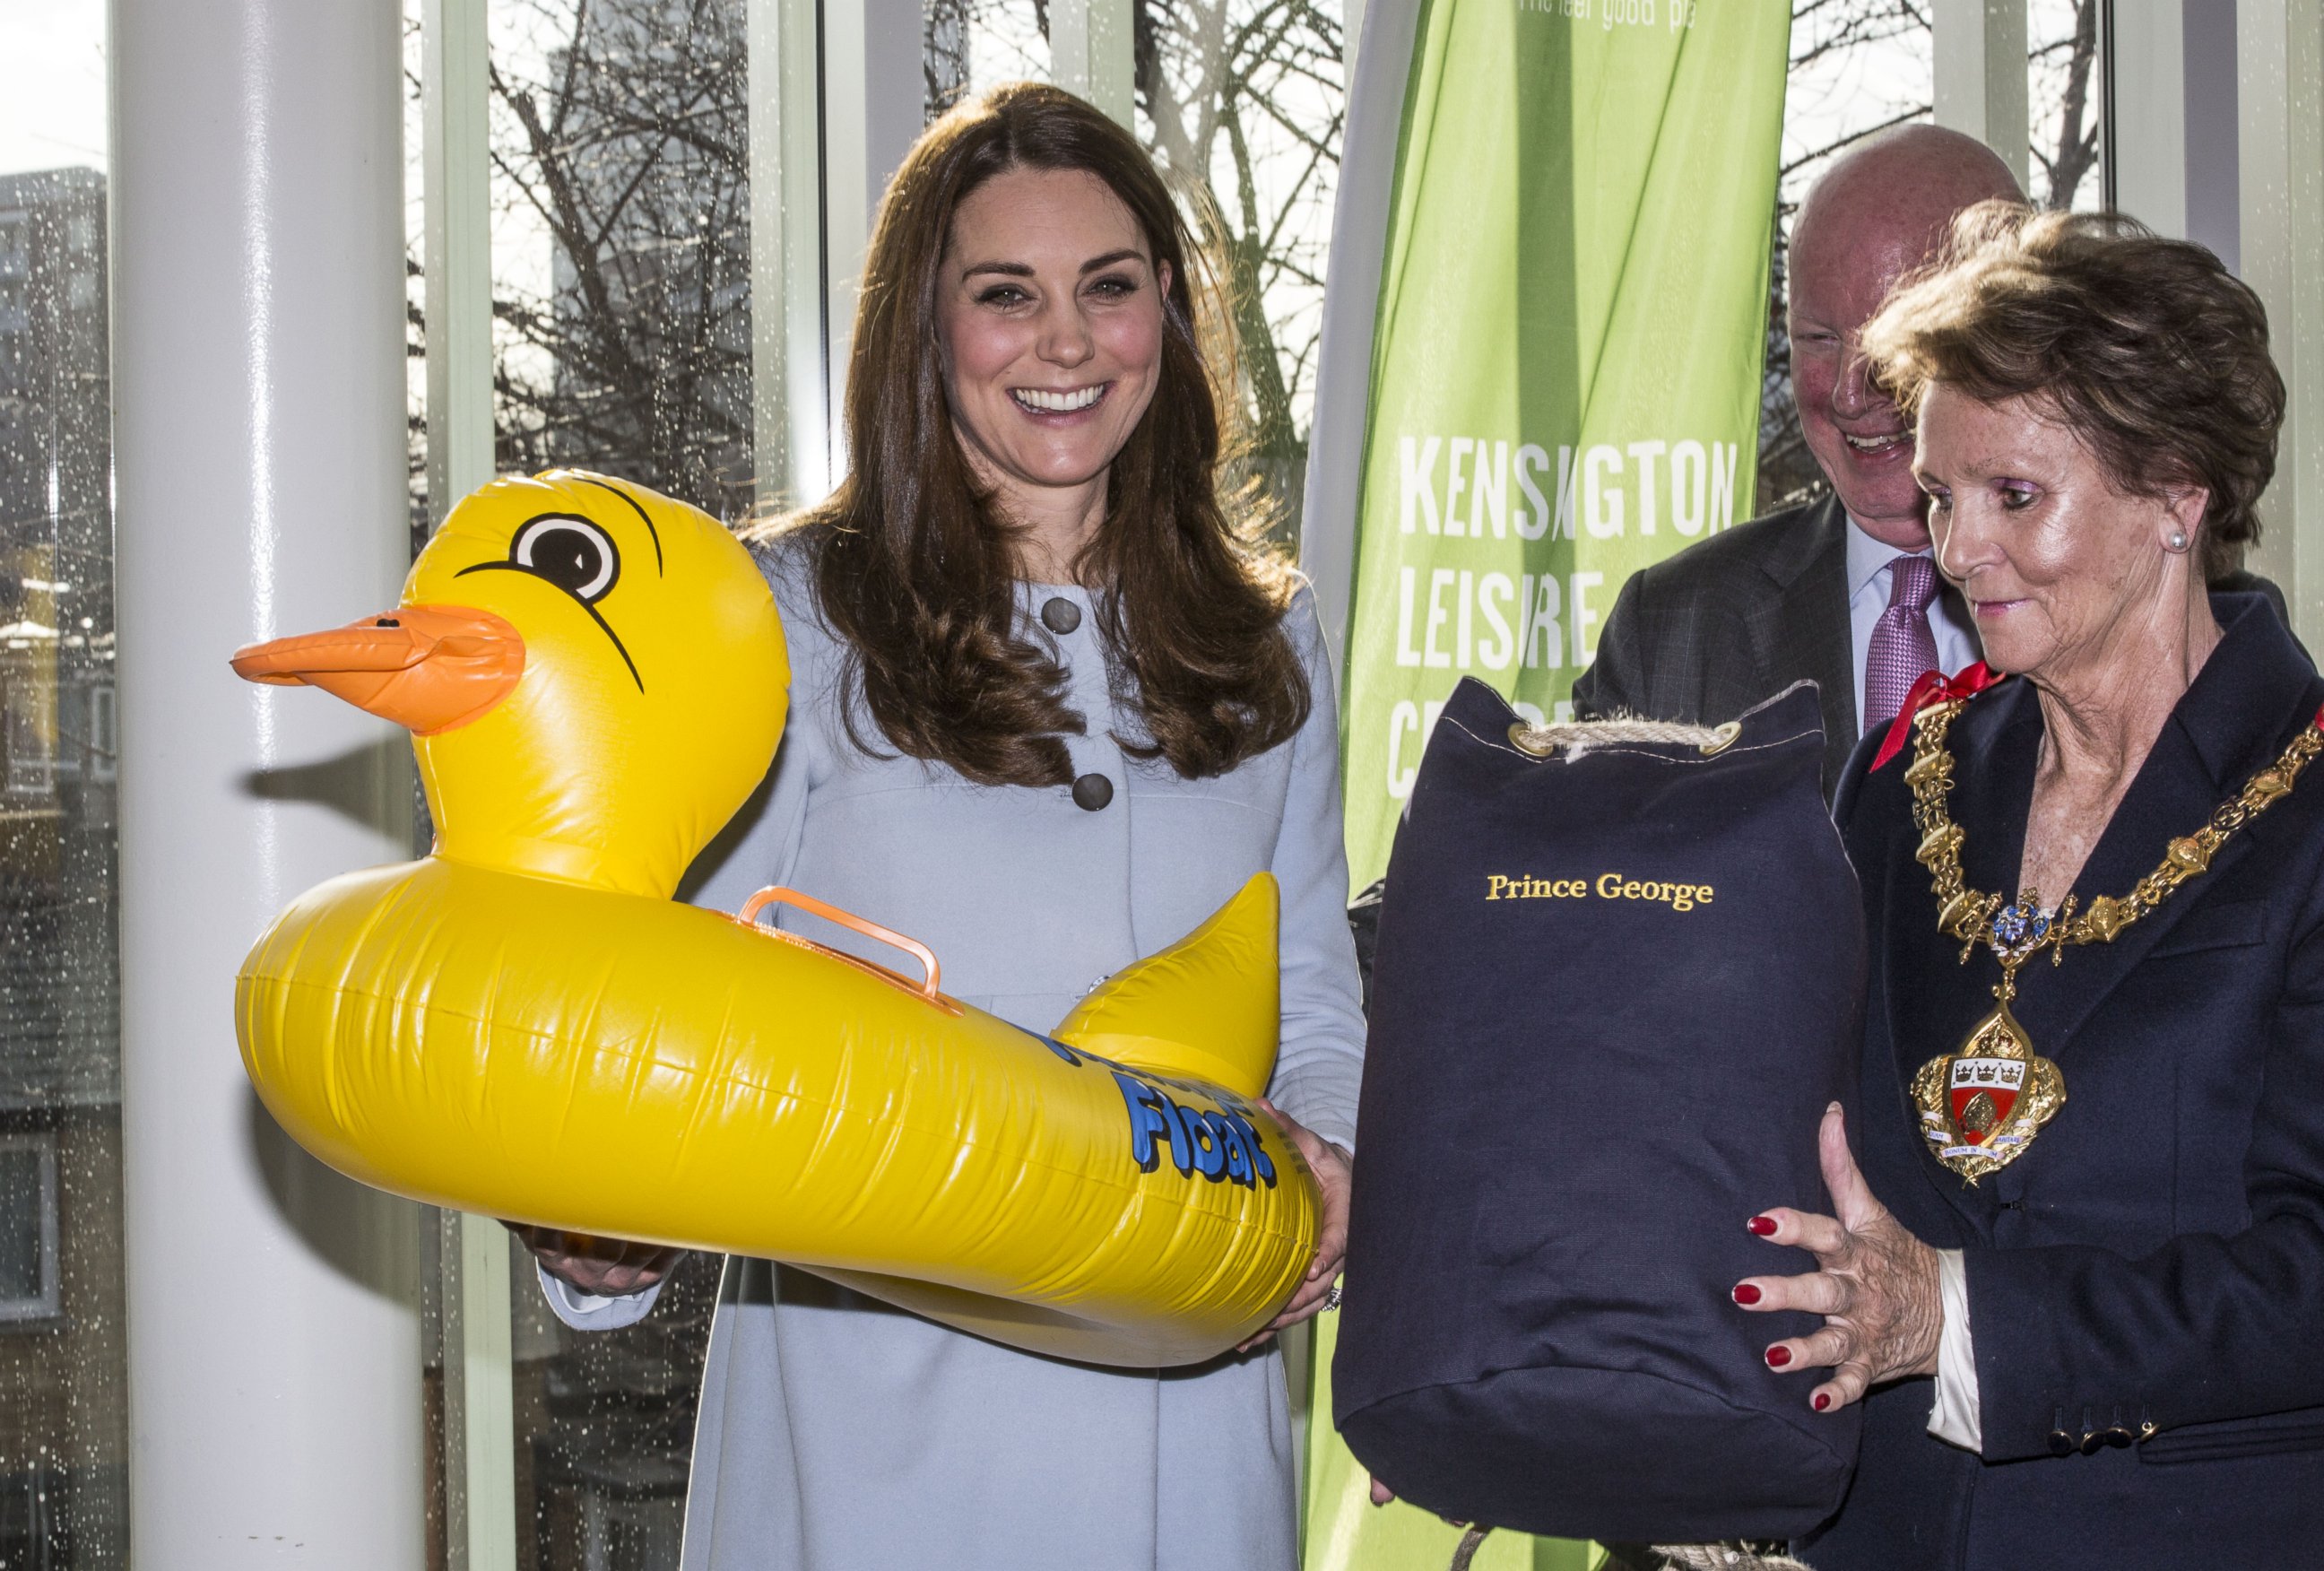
(1840, 591)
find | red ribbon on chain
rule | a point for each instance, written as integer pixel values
(1931, 686)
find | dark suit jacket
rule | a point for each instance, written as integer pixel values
(2157, 1255)
(1733, 620)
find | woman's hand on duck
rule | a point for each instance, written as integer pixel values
(1876, 1285)
(606, 1268)
(1330, 1165)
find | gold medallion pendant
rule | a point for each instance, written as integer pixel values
(1983, 1104)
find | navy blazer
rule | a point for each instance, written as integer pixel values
(2157, 1256)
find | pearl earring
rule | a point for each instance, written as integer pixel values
(2178, 541)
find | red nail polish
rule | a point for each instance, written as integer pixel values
(1745, 1293)
(1778, 1356)
(1822, 1400)
(1765, 1226)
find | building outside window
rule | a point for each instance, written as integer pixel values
(63, 1434)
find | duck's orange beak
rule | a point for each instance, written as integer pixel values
(427, 668)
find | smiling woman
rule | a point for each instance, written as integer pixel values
(1035, 398)
(1049, 708)
(1051, 356)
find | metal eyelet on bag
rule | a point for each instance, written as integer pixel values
(1722, 738)
(1523, 737)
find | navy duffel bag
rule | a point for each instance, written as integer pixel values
(1614, 993)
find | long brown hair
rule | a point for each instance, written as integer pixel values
(915, 564)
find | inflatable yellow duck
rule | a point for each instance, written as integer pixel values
(524, 1024)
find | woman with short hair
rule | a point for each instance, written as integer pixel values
(2090, 1202)
(1051, 706)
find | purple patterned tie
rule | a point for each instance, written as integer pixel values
(1902, 644)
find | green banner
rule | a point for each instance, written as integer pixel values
(1566, 359)
(1565, 382)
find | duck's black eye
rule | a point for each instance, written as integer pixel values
(570, 552)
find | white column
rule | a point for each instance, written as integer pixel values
(1093, 52)
(2281, 103)
(1979, 47)
(259, 450)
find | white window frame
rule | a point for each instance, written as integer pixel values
(104, 738)
(49, 1303)
(31, 773)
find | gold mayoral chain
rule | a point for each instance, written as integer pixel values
(1983, 1104)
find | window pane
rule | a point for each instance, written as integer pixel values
(415, 284)
(2065, 96)
(620, 241)
(974, 44)
(1244, 100)
(604, 1425)
(620, 296)
(63, 1436)
(1855, 69)
(25, 1202)
(1869, 63)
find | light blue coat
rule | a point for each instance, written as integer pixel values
(836, 1434)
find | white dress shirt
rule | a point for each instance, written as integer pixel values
(1955, 1415)
(1868, 598)
(593, 1311)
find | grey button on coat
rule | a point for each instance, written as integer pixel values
(836, 1434)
